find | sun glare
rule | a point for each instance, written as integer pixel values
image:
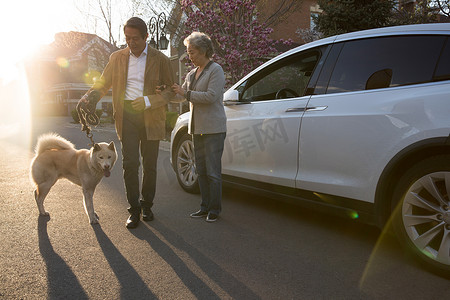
(25, 25)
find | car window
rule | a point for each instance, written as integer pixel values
(443, 68)
(287, 78)
(385, 62)
(320, 87)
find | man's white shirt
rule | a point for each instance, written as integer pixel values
(135, 79)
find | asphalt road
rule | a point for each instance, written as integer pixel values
(259, 248)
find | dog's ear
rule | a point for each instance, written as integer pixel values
(96, 147)
(111, 146)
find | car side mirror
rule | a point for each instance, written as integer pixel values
(380, 79)
(231, 97)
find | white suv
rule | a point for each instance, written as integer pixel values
(358, 123)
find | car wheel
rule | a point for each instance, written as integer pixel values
(185, 164)
(421, 218)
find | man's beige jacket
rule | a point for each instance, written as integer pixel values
(158, 72)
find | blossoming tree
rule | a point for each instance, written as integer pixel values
(240, 42)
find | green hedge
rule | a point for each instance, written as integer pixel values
(171, 119)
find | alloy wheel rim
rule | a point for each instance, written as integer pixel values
(186, 163)
(426, 215)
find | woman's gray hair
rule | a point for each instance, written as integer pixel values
(200, 41)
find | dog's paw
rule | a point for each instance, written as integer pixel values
(94, 221)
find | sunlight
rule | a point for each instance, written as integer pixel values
(25, 26)
(15, 107)
(15, 115)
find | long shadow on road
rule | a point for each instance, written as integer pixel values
(227, 282)
(132, 285)
(62, 282)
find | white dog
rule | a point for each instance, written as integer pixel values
(57, 158)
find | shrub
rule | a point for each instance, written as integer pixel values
(171, 119)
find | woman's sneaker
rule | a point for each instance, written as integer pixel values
(199, 214)
(211, 217)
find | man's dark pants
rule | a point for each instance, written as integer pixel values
(135, 144)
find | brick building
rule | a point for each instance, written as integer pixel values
(299, 19)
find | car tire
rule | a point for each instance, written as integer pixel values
(421, 212)
(185, 164)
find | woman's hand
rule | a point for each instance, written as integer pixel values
(178, 89)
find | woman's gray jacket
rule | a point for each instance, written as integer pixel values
(206, 100)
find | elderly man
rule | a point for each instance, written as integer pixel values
(133, 74)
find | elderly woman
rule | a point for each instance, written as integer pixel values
(203, 88)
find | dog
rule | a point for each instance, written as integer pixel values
(56, 158)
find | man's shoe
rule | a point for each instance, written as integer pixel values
(133, 221)
(147, 214)
(211, 217)
(199, 214)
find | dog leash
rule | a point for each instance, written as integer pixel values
(87, 115)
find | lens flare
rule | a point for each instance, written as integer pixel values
(91, 77)
(62, 62)
(325, 198)
(353, 214)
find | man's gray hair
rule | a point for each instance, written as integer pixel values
(200, 41)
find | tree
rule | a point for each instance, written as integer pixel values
(105, 10)
(341, 16)
(444, 7)
(105, 17)
(182, 13)
(421, 11)
(274, 13)
(308, 35)
(241, 43)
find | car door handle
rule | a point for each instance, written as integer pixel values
(296, 109)
(300, 109)
(317, 108)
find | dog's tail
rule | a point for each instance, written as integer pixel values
(50, 141)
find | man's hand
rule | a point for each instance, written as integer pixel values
(84, 99)
(138, 104)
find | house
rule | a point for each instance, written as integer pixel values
(299, 20)
(60, 73)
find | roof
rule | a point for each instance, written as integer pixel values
(69, 44)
